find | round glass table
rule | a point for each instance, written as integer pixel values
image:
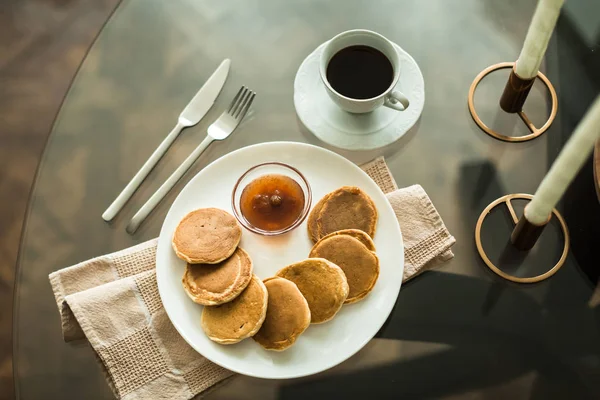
(456, 332)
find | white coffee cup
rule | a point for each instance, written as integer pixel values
(390, 98)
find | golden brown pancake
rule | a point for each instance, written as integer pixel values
(323, 285)
(360, 265)
(311, 224)
(206, 236)
(239, 319)
(213, 284)
(356, 234)
(287, 317)
(347, 208)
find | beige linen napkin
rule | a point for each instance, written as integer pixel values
(113, 302)
(426, 240)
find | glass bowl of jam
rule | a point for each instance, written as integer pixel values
(271, 198)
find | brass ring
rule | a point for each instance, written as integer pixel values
(535, 132)
(507, 200)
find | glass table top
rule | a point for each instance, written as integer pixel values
(457, 332)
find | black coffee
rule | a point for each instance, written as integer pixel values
(360, 72)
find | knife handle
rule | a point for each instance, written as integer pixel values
(157, 197)
(137, 180)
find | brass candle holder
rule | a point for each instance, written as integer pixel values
(524, 236)
(512, 101)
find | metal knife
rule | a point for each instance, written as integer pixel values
(190, 116)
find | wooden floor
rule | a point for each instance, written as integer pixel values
(42, 43)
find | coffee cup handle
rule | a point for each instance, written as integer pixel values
(396, 100)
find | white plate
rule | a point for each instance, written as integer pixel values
(349, 131)
(321, 346)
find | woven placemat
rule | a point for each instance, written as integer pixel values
(380, 173)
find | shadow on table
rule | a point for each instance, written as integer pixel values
(470, 348)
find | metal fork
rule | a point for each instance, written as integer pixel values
(219, 130)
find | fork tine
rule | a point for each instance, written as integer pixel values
(235, 99)
(246, 106)
(238, 104)
(242, 104)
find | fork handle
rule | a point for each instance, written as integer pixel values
(139, 177)
(157, 197)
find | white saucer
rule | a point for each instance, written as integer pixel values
(356, 131)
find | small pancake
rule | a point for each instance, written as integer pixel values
(288, 315)
(239, 319)
(360, 265)
(323, 285)
(214, 284)
(356, 234)
(311, 224)
(206, 236)
(347, 208)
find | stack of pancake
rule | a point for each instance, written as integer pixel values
(219, 275)
(342, 225)
(342, 268)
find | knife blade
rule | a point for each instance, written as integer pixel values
(190, 116)
(206, 96)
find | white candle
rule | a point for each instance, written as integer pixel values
(566, 166)
(538, 35)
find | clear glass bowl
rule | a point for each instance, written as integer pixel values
(267, 169)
